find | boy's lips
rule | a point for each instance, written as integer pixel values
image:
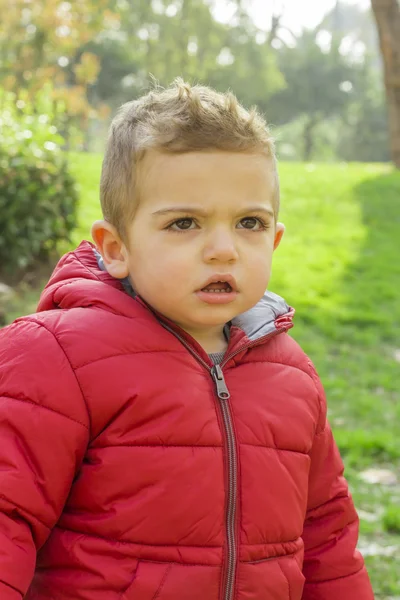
(218, 297)
(220, 278)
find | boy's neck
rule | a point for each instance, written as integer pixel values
(212, 342)
(216, 348)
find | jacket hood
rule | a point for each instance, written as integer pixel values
(79, 281)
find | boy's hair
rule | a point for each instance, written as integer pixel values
(180, 118)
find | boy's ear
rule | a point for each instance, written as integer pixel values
(111, 248)
(279, 231)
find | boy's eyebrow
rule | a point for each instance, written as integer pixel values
(200, 211)
(181, 209)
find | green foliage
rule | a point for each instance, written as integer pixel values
(38, 196)
(182, 39)
(364, 132)
(314, 89)
(290, 139)
(326, 98)
(313, 77)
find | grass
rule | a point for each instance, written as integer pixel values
(339, 267)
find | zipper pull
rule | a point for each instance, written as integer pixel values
(219, 380)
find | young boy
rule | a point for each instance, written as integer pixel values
(162, 436)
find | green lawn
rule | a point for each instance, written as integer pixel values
(339, 266)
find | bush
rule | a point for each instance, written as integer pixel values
(38, 196)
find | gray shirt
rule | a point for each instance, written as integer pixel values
(217, 357)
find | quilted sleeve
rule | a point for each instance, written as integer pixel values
(44, 432)
(333, 568)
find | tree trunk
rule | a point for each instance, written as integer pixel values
(387, 17)
(275, 25)
(308, 138)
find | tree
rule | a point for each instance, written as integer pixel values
(387, 17)
(363, 133)
(40, 41)
(351, 20)
(317, 86)
(167, 39)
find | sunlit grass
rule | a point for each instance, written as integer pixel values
(339, 266)
(86, 168)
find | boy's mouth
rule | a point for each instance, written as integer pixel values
(219, 287)
(219, 284)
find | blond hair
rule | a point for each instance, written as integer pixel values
(180, 118)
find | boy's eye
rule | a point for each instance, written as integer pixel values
(182, 224)
(251, 223)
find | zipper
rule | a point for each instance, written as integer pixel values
(223, 395)
(231, 556)
(219, 380)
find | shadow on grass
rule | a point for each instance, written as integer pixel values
(358, 347)
(372, 284)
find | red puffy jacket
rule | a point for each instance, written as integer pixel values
(134, 470)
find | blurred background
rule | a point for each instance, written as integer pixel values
(326, 74)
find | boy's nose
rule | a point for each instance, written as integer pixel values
(220, 247)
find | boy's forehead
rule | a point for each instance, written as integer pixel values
(203, 174)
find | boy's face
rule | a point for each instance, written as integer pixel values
(202, 215)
